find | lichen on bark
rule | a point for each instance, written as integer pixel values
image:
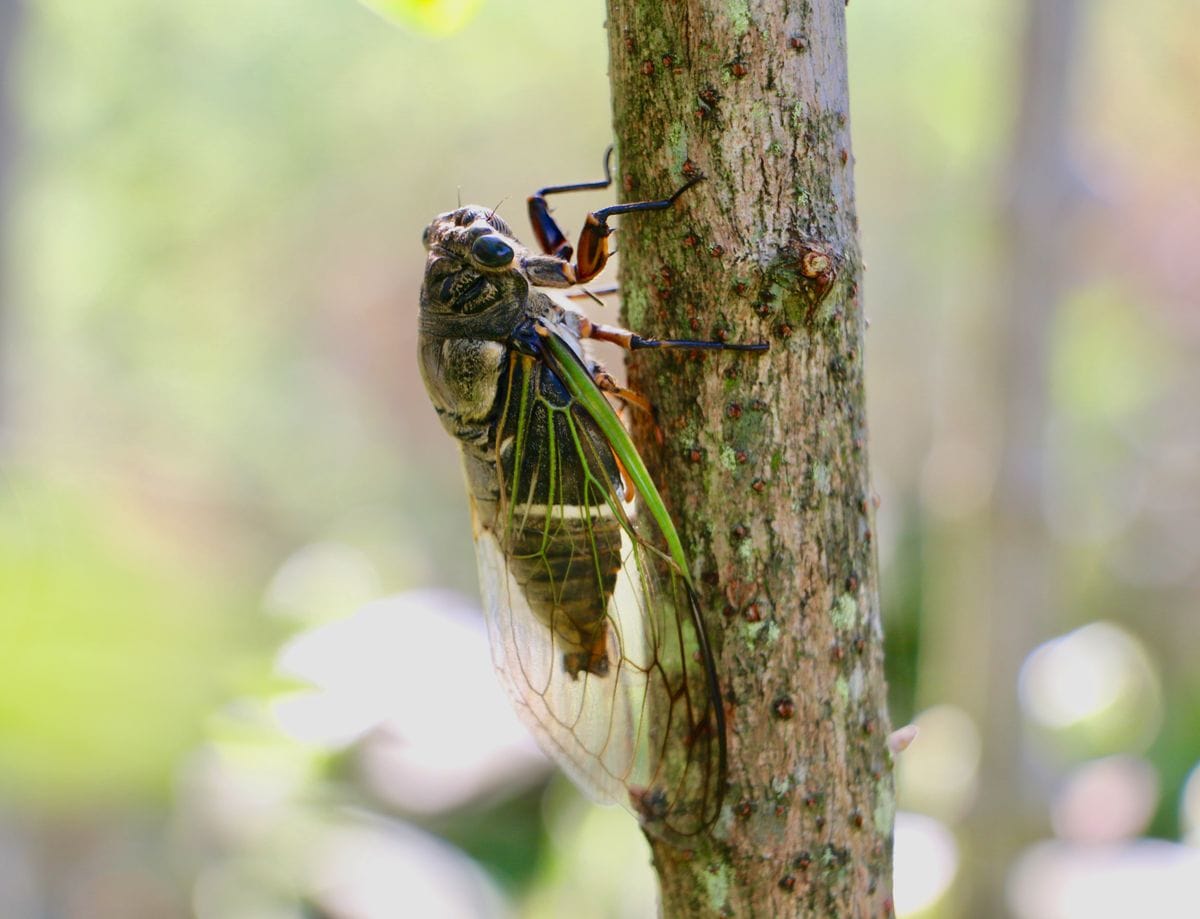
(762, 458)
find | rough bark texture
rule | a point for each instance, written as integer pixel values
(762, 458)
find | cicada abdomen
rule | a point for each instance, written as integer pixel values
(593, 629)
(560, 529)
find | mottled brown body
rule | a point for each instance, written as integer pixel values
(561, 538)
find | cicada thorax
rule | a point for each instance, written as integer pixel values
(560, 521)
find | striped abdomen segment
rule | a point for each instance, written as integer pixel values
(560, 489)
(567, 567)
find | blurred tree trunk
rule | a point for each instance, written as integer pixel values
(10, 29)
(1011, 810)
(762, 458)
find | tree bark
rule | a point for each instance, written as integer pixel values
(762, 458)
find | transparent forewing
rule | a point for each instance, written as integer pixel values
(594, 628)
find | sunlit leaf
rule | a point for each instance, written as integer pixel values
(439, 17)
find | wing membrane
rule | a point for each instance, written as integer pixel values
(594, 625)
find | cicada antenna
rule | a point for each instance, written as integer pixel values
(591, 296)
(497, 207)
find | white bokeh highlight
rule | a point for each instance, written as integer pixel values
(411, 678)
(926, 862)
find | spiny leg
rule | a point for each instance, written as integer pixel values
(594, 294)
(550, 237)
(555, 268)
(633, 342)
(593, 241)
(608, 384)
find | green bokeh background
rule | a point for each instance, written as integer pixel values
(207, 329)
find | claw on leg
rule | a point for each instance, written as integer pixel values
(605, 381)
(633, 342)
(593, 251)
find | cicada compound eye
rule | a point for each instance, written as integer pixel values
(491, 251)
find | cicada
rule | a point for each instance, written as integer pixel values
(592, 613)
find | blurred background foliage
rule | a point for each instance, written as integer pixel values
(241, 673)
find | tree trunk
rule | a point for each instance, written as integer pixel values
(762, 458)
(1021, 609)
(10, 30)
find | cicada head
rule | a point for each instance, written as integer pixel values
(474, 285)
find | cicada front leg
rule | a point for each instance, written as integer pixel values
(550, 237)
(593, 252)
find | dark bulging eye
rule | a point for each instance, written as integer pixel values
(492, 251)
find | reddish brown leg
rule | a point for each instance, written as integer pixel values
(550, 238)
(632, 342)
(593, 249)
(593, 241)
(605, 381)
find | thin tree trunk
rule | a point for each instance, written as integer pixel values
(1011, 810)
(10, 30)
(762, 458)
